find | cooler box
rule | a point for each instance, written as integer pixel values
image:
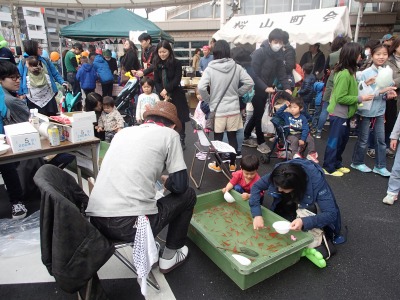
(216, 223)
(22, 137)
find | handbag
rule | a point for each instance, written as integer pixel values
(210, 122)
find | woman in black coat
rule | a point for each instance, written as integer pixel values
(167, 79)
(130, 59)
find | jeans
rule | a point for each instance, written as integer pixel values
(174, 210)
(316, 115)
(394, 180)
(12, 182)
(323, 116)
(305, 111)
(109, 135)
(338, 137)
(360, 149)
(76, 87)
(239, 138)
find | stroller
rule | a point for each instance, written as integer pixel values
(70, 103)
(125, 101)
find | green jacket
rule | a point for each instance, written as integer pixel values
(345, 92)
(70, 62)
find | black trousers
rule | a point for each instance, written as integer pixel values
(107, 88)
(12, 182)
(259, 100)
(174, 210)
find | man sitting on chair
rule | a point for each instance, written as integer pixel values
(125, 187)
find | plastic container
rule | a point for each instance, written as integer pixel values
(221, 229)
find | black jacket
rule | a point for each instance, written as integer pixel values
(73, 250)
(268, 65)
(130, 61)
(318, 62)
(290, 59)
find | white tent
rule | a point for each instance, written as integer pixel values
(304, 27)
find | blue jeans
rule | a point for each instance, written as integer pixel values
(338, 137)
(305, 111)
(239, 138)
(323, 116)
(316, 115)
(394, 180)
(360, 149)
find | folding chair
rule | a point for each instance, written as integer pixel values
(205, 145)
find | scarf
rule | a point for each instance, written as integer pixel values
(38, 80)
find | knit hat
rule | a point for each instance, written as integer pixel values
(167, 110)
(107, 53)
(387, 37)
(3, 42)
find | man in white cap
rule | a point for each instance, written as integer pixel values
(125, 187)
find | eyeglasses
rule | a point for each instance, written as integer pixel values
(14, 77)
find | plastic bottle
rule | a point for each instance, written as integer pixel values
(33, 118)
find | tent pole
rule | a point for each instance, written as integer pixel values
(359, 16)
(62, 61)
(223, 13)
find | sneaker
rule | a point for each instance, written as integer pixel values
(18, 211)
(250, 143)
(238, 154)
(263, 148)
(389, 153)
(167, 265)
(281, 154)
(382, 171)
(371, 153)
(212, 166)
(362, 168)
(344, 170)
(334, 174)
(225, 157)
(232, 168)
(313, 157)
(297, 155)
(317, 135)
(389, 199)
(253, 135)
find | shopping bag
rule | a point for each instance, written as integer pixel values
(364, 89)
(266, 125)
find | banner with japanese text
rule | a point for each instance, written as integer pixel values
(307, 26)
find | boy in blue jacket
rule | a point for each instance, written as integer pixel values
(86, 76)
(103, 71)
(306, 91)
(299, 131)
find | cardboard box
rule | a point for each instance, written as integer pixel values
(22, 137)
(81, 128)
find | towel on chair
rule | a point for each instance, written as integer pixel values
(145, 252)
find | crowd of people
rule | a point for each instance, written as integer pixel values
(234, 89)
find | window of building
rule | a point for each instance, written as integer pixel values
(62, 22)
(199, 44)
(178, 45)
(79, 14)
(52, 20)
(61, 11)
(184, 16)
(5, 24)
(39, 28)
(70, 12)
(30, 13)
(204, 11)
(32, 27)
(54, 44)
(70, 22)
(5, 8)
(305, 4)
(279, 6)
(253, 7)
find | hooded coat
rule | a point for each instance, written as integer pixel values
(318, 192)
(217, 75)
(102, 69)
(87, 77)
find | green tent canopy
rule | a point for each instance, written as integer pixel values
(115, 23)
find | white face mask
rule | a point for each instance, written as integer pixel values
(367, 52)
(276, 47)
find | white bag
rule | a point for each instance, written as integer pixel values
(363, 90)
(296, 76)
(266, 125)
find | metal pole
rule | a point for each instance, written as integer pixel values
(16, 26)
(61, 58)
(359, 16)
(223, 13)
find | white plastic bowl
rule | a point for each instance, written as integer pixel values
(4, 148)
(281, 227)
(229, 198)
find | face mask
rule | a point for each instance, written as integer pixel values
(276, 47)
(367, 52)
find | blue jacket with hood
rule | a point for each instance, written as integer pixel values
(87, 77)
(102, 69)
(51, 69)
(317, 192)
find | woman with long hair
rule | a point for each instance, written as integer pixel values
(342, 106)
(50, 108)
(130, 61)
(294, 184)
(167, 80)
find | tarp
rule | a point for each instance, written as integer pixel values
(115, 23)
(304, 27)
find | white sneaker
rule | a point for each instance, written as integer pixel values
(167, 265)
(389, 199)
(263, 148)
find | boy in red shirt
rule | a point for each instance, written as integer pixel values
(243, 180)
